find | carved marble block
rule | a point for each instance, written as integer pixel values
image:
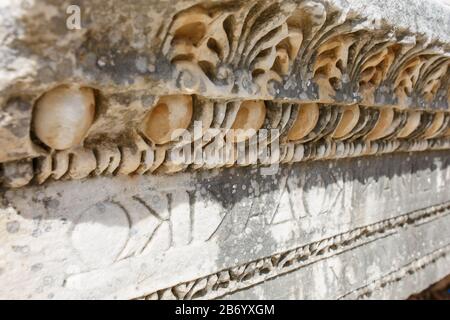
(258, 149)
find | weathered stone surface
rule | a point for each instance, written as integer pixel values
(149, 233)
(338, 189)
(220, 56)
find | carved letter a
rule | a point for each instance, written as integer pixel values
(73, 22)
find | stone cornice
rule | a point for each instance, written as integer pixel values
(333, 82)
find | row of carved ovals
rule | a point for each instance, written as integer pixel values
(176, 112)
(63, 116)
